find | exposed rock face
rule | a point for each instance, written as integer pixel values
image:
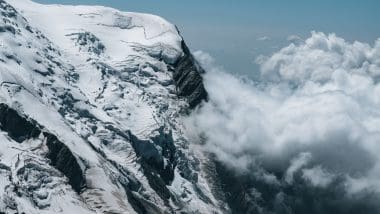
(188, 78)
(21, 129)
(63, 159)
(17, 127)
(97, 108)
(240, 197)
(153, 153)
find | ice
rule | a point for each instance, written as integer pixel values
(93, 90)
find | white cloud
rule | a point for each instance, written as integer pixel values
(294, 39)
(264, 38)
(317, 176)
(320, 58)
(206, 59)
(319, 97)
(295, 165)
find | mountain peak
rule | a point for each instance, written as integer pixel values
(104, 92)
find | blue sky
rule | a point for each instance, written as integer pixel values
(229, 30)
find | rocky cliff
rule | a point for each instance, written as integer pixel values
(91, 101)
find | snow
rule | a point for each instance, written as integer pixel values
(57, 192)
(90, 88)
(127, 28)
(142, 29)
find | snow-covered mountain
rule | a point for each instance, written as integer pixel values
(91, 101)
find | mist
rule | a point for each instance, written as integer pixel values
(311, 118)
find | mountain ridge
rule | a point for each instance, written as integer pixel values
(106, 108)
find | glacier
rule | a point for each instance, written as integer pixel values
(91, 101)
(105, 111)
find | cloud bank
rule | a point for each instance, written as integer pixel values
(313, 116)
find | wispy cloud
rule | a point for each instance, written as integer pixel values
(314, 112)
(294, 38)
(264, 38)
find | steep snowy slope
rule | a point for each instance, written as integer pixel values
(90, 107)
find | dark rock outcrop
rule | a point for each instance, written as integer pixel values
(7, 28)
(188, 79)
(247, 193)
(17, 127)
(7, 10)
(157, 172)
(63, 159)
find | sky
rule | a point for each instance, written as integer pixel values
(235, 33)
(306, 134)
